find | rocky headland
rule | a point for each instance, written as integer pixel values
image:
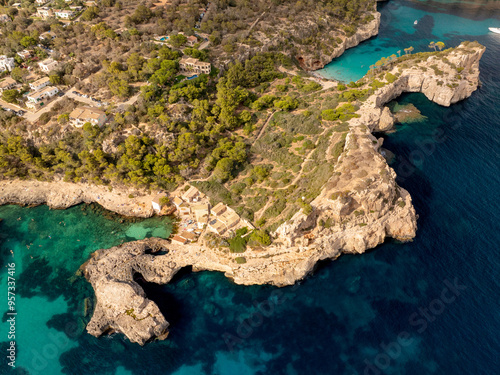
(358, 208)
(121, 303)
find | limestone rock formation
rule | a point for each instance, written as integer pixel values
(362, 204)
(442, 80)
(121, 303)
(386, 121)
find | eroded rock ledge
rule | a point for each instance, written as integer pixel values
(61, 195)
(359, 207)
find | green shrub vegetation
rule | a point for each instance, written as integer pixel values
(286, 103)
(353, 95)
(343, 113)
(215, 191)
(338, 148)
(260, 237)
(376, 84)
(390, 77)
(238, 244)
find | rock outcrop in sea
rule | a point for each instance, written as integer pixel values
(358, 208)
(121, 303)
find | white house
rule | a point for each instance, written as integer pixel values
(25, 54)
(40, 83)
(45, 12)
(201, 213)
(191, 40)
(156, 202)
(182, 207)
(36, 97)
(41, 2)
(225, 219)
(177, 202)
(82, 115)
(192, 195)
(6, 63)
(47, 65)
(64, 13)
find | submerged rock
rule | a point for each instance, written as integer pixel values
(408, 114)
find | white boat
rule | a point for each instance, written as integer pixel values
(494, 29)
(416, 22)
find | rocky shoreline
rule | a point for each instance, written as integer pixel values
(62, 195)
(363, 32)
(359, 207)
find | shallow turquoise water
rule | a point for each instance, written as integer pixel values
(346, 317)
(47, 248)
(398, 32)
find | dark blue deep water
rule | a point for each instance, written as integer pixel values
(426, 307)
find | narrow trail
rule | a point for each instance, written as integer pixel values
(256, 22)
(299, 175)
(259, 213)
(264, 127)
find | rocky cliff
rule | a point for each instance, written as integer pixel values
(444, 78)
(358, 208)
(363, 32)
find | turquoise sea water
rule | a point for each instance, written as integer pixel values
(390, 311)
(398, 32)
(48, 247)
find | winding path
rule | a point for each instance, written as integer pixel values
(263, 128)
